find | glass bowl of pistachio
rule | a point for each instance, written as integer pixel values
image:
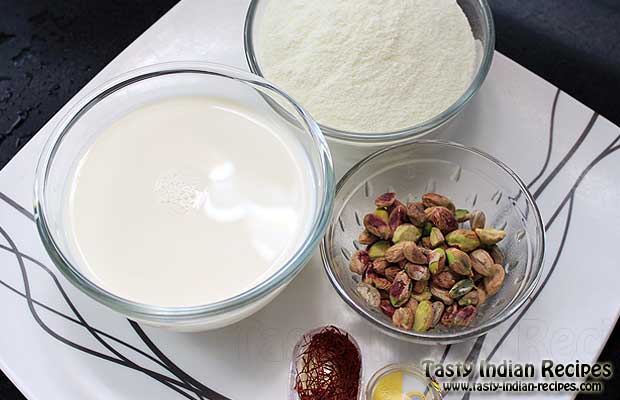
(433, 242)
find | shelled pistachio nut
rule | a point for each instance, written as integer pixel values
(490, 236)
(423, 316)
(461, 215)
(438, 309)
(403, 318)
(442, 295)
(406, 233)
(458, 261)
(444, 280)
(377, 226)
(413, 253)
(417, 272)
(383, 214)
(359, 261)
(378, 249)
(442, 218)
(469, 299)
(448, 316)
(436, 260)
(397, 217)
(461, 288)
(436, 237)
(387, 308)
(464, 239)
(464, 316)
(437, 200)
(380, 264)
(401, 289)
(477, 220)
(493, 283)
(366, 238)
(385, 200)
(395, 253)
(415, 212)
(370, 294)
(497, 254)
(391, 272)
(412, 304)
(482, 262)
(425, 295)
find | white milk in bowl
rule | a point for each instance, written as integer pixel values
(188, 201)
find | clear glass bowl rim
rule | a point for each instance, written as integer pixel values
(467, 333)
(159, 313)
(406, 133)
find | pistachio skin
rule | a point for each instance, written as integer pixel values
(442, 218)
(387, 308)
(437, 200)
(359, 262)
(415, 212)
(464, 316)
(397, 217)
(385, 200)
(391, 272)
(377, 226)
(366, 238)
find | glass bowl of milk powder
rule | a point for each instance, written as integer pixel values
(184, 195)
(373, 72)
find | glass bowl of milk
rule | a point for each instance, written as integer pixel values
(184, 195)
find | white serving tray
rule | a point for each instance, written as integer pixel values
(58, 344)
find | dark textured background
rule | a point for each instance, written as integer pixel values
(50, 49)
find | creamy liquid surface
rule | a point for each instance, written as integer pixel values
(188, 201)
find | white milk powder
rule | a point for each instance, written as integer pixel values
(368, 65)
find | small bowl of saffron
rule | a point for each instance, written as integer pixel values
(326, 365)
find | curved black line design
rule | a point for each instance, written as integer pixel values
(68, 317)
(550, 144)
(16, 206)
(179, 386)
(165, 380)
(567, 157)
(610, 149)
(172, 367)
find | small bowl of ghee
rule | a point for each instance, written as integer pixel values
(402, 382)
